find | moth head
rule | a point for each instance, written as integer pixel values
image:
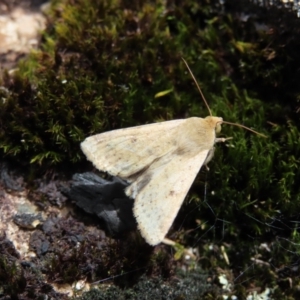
(215, 122)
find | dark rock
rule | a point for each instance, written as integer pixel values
(104, 198)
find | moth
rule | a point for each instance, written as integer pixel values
(160, 162)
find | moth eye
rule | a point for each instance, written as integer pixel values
(218, 128)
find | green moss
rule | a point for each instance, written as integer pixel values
(12, 279)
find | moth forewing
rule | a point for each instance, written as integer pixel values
(124, 152)
(157, 202)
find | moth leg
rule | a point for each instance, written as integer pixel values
(179, 248)
(209, 157)
(222, 140)
(169, 242)
(212, 151)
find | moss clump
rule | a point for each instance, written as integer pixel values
(190, 286)
(99, 68)
(12, 278)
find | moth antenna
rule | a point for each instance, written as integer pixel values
(203, 98)
(245, 127)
